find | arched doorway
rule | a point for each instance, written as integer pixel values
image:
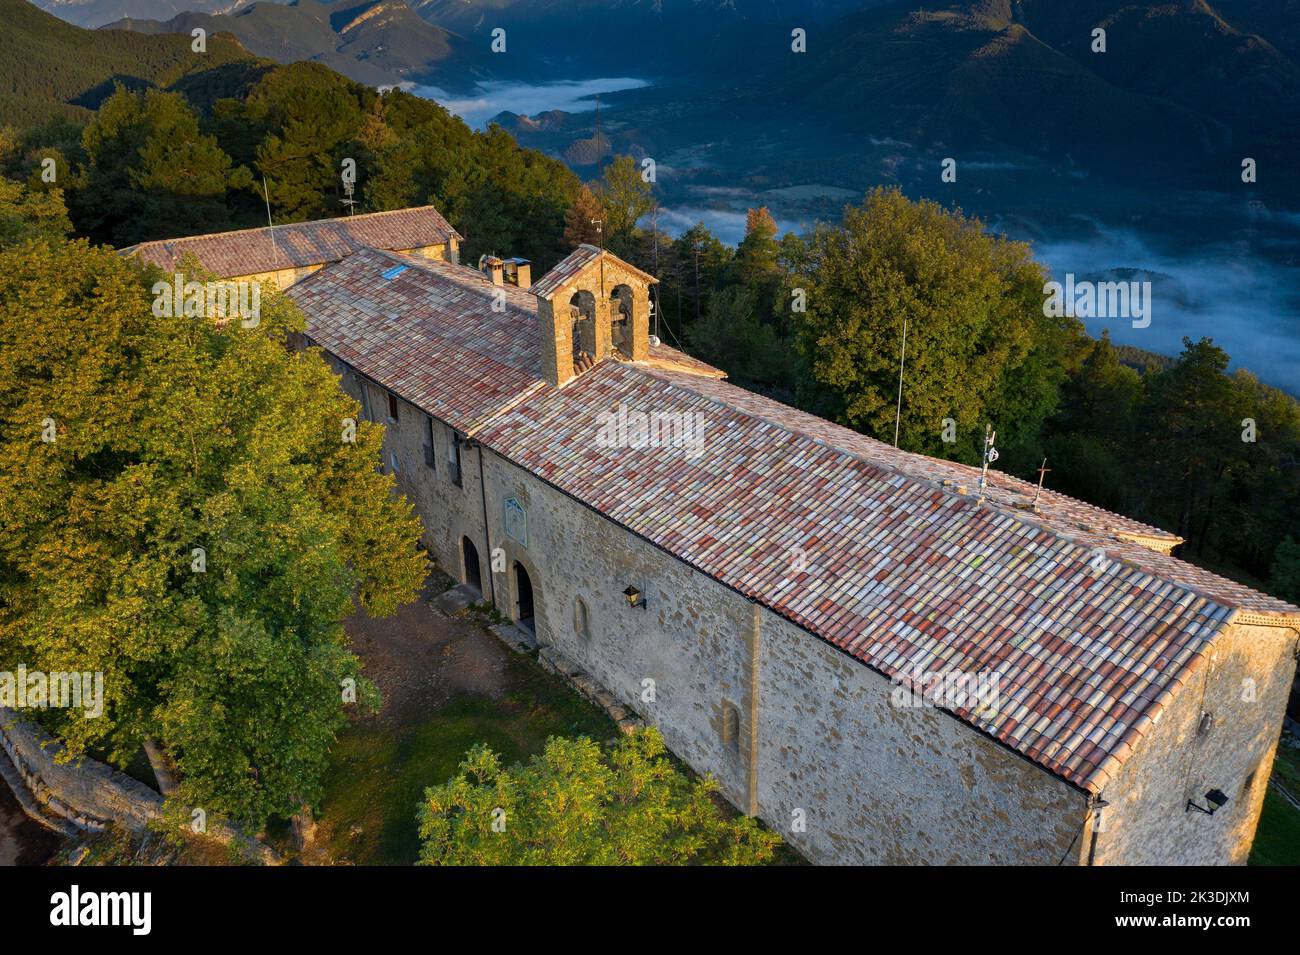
(524, 598)
(473, 574)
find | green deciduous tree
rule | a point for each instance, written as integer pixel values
(27, 213)
(736, 336)
(756, 256)
(1285, 579)
(625, 196)
(978, 344)
(583, 221)
(577, 804)
(311, 119)
(186, 512)
(1191, 430)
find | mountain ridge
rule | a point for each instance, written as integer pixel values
(377, 42)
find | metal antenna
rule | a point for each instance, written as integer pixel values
(654, 226)
(990, 455)
(266, 194)
(1042, 473)
(902, 358)
(600, 153)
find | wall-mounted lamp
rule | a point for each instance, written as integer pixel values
(634, 598)
(1217, 799)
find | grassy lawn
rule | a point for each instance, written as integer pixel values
(378, 774)
(1277, 840)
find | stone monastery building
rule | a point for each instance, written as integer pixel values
(882, 665)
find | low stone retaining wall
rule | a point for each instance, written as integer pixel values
(557, 663)
(85, 792)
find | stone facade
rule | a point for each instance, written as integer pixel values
(1220, 733)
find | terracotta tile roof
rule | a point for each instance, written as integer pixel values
(300, 244)
(868, 551)
(429, 332)
(856, 542)
(665, 355)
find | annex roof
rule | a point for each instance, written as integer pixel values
(300, 244)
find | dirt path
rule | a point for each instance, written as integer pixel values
(448, 684)
(420, 659)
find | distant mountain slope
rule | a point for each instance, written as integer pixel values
(587, 38)
(1188, 53)
(49, 67)
(1175, 76)
(379, 42)
(1178, 94)
(95, 13)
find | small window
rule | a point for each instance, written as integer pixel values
(581, 623)
(430, 454)
(392, 406)
(455, 461)
(731, 727)
(392, 461)
(1250, 781)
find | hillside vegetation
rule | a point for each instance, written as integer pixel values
(49, 68)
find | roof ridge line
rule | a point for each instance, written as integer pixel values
(282, 225)
(1023, 517)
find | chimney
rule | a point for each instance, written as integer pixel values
(492, 266)
(519, 272)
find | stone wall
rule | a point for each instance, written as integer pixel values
(449, 512)
(86, 792)
(1243, 687)
(688, 640)
(879, 783)
(89, 795)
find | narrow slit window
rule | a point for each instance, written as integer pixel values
(581, 623)
(731, 727)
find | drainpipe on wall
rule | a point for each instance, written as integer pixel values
(755, 676)
(1095, 805)
(487, 531)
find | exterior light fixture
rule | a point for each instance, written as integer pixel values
(1217, 799)
(634, 598)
